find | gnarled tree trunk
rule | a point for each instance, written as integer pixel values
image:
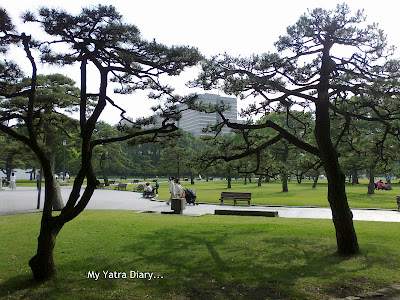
(42, 264)
(342, 216)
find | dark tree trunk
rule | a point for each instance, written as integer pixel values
(371, 184)
(299, 178)
(285, 183)
(267, 179)
(51, 157)
(103, 170)
(341, 214)
(245, 180)
(42, 264)
(259, 181)
(354, 176)
(9, 166)
(316, 177)
(229, 181)
(285, 175)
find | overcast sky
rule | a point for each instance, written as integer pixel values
(217, 26)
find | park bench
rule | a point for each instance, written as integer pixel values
(100, 185)
(121, 186)
(63, 182)
(235, 196)
(139, 188)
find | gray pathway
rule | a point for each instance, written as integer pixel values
(24, 199)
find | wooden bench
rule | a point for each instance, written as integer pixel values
(121, 186)
(139, 188)
(235, 196)
(63, 182)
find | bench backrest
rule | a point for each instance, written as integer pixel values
(233, 195)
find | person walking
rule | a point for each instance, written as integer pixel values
(178, 189)
(156, 187)
(171, 189)
(38, 179)
(13, 179)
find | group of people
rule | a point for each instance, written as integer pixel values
(175, 189)
(13, 182)
(379, 185)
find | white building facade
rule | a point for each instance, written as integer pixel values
(194, 121)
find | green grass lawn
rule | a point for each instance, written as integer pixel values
(299, 194)
(208, 257)
(271, 193)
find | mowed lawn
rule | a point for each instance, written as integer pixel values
(270, 193)
(207, 257)
(299, 194)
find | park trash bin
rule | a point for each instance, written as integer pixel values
(398, 202)
(178, 205)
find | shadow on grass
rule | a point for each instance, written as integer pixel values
(197, 264)
(229, 261)
(18, 284)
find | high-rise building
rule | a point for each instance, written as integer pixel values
(194, 121)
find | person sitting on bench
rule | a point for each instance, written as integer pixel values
(147, 190)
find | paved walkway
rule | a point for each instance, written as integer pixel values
(24, 199)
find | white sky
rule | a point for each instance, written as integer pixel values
(218, 26)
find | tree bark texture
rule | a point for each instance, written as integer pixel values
(371, 184)
(354, 176)
(51, 157)
(316, 177)
(342, 216)
(285, 155)
(42, 264)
